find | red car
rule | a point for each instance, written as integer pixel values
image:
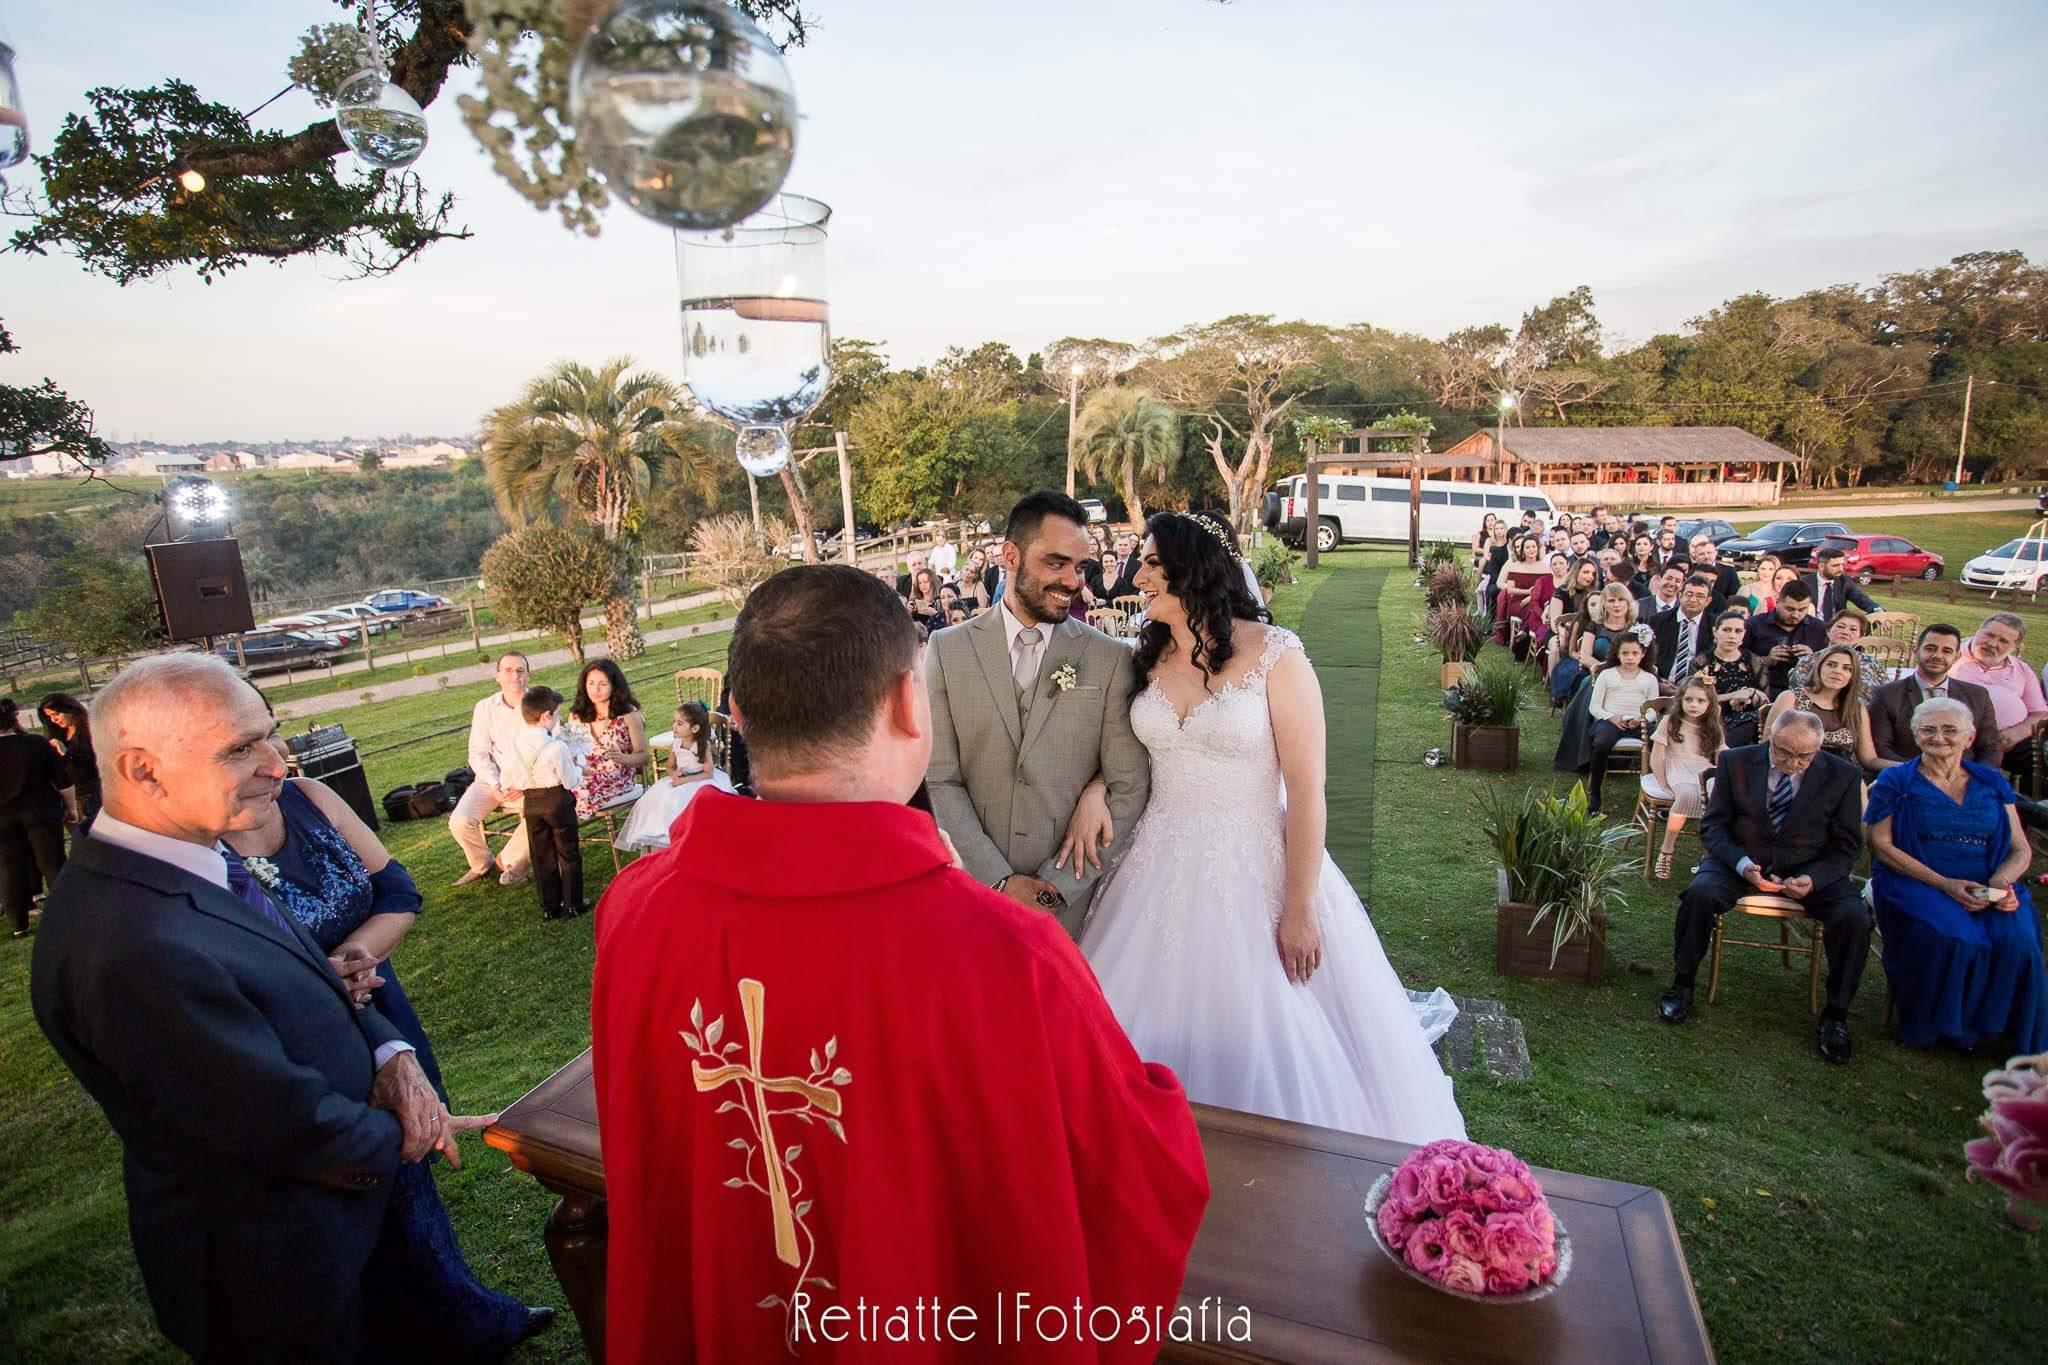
(1873, 557)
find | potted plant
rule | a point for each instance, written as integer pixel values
(1448, 583)
(1457, 632)
(1557, 863)
(1274, 567)
(1482, 707)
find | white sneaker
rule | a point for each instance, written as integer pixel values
(511, 878)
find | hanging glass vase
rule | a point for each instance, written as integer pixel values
(13, 122)
(686, 109)
(381, 124)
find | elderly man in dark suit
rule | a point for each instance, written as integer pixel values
(1787, 818)
(262, 1114)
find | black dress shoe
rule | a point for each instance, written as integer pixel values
(554, 914)
(538, 1320)
(579, 908)
(1834, 1040)
(1676, 1005)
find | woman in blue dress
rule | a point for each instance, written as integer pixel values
(1962, 944)
(321, 864)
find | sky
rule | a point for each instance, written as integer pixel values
(1020, 172)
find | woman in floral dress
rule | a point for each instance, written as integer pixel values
(606, 724)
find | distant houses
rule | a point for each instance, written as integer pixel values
(166, 464)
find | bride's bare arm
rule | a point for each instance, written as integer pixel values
(1295, 702)
(1090, 828)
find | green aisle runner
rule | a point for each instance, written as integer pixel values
(1342, 631)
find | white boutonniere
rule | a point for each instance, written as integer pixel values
(1066, 675)
(263, 870)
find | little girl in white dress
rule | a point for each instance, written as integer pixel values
(690, 772)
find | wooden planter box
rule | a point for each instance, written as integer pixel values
(1454, 674)
(1517, 952)
(1488, 748)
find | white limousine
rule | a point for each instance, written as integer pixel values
(1362, 507)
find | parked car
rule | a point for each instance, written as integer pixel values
(264, 650)
(2016, 565)
(1793, 542)
(1360, 507)
(1873, 557)
(1719, 532)
(342, 630)
(365, 615)
(404, 599)
(828, 546)
(1095, 510)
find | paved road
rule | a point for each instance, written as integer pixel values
(1919, 507)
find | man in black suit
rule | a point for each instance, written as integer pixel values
(1685, 634)
(1120, 574)
(1891, 706)
(1664, 587)
(1784, 817)
(1785, 634)
(1832, 586)
(1706, 559)
(263, 1108)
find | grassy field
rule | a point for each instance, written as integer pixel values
(1823, 1209)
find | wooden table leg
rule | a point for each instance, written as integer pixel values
(577, 1233)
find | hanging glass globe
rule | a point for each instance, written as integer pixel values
(380, 122)
(13, 122)
(686, 109)
(762, 451)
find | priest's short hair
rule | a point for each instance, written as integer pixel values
(814, 653)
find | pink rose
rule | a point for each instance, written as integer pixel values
(1463, 1274)
(1465, 1236)
(1451, 1147)
(1443, 1179)
(1407, 1186)
(1426, 1251)
(1506, 1279)
(1510, 1241)
(1545, 1268)
(1515, 1193)
(1542, 1224)
(1395, 1224)
(1488, 1161)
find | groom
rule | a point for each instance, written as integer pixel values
(1027, 706)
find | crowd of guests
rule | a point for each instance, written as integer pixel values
(944, 585)
(1755, 707)
(49, 783)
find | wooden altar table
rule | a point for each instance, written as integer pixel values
(1284, 1234)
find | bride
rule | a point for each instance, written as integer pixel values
(1227, 941)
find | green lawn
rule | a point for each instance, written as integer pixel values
(1823, 1210)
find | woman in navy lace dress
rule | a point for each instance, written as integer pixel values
(321, 864)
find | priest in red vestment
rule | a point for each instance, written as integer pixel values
(856, 1105)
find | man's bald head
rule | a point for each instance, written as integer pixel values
(184, 747)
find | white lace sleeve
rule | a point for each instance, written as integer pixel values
(1278, 642)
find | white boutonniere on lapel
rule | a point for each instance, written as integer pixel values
(263, 870)
(1066, 675)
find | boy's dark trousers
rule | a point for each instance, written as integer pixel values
(557, 854)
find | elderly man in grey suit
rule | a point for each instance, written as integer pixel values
(1027, 706)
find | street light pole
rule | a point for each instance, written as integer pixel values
(1500, 431)
(1073, 392)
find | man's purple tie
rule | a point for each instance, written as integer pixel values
(243, 884)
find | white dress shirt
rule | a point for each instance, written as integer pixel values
(944, 558)
(493, 726)
(203, 861)
(540, 758)
(1012, 628)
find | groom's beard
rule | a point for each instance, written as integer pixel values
(1032, 593)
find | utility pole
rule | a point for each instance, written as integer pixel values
(845, 497)
(1073, 393)
(1963, 443)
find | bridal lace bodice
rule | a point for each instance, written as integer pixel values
(1219, 763)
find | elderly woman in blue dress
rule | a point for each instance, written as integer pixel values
(1962, 944)
(319, 863)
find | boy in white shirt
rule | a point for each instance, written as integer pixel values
(550, 776)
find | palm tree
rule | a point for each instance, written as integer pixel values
(1124, 435)
(590, 443)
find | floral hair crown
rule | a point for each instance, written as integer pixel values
(1216, 529)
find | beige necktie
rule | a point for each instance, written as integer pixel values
(1024, 663)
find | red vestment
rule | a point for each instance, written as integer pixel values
(957, 1114)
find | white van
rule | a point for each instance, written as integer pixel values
(1363, 507)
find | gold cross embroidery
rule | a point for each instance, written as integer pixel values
(749, 1078)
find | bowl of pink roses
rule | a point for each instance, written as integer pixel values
(1469, 1221)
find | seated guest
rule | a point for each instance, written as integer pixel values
(1686, 746)
(1604, 615)
(914, 562)
(1616, 709)
(1737, 677)
(1832, 587)
(609, 737)
(1761, 589)
(1706, 559)
(690, 772)
(262, 1116)
(1663, 593)
(1523, 587)
(828, 918)
(1683, 633)
(494, 724)
(1991, 659)
(1962, 944)
(924, 595)
(1849, 628)
(1785, 634)
(1564, 610)
(958, 615)
(1784, 817)
(324, 867)
(1834, 697)
(1891, 710)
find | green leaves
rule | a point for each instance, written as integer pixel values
(1558, 857)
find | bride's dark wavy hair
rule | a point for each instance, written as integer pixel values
(1205, 575)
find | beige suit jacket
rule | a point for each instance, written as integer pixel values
(1003, 784)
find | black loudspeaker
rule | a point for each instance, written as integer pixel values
(330, 755)
(199, 588)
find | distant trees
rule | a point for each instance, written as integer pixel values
(93, 604)
(1125, 437)
(543, 577)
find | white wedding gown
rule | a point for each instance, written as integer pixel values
(1182, 938)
